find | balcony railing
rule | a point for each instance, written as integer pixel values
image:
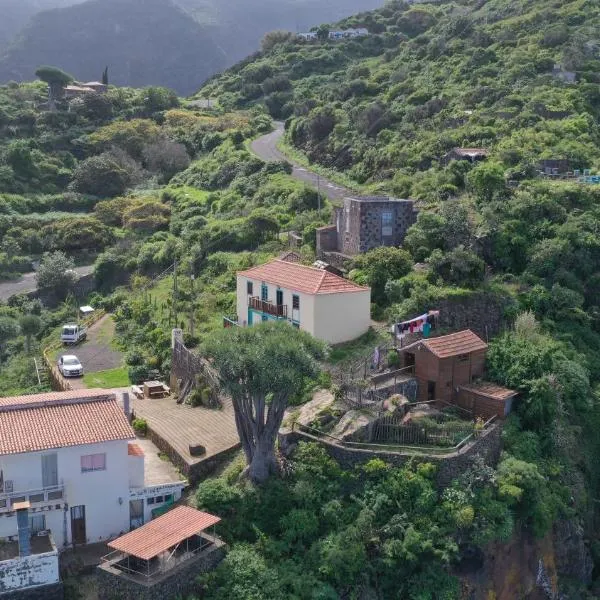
(39, 496)
(277, 310)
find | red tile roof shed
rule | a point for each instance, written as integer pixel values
(300, 278)
(32, 424)
(163, 533)
(462, 342)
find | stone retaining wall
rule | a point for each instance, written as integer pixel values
(53, 591)
(187, 368)
(192, 471)
(176, 583)
(450, 466)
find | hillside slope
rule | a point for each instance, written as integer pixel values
(432, 77)
(16, 13)
(147, 42)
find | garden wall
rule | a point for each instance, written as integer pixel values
(450, 466)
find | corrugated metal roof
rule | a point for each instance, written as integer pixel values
(300, 278)
(454, 344)
(163, 533)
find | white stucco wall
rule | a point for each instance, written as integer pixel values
(342, 317)
(136, 471)
(30, 571)
(98, 491)
(154, 491)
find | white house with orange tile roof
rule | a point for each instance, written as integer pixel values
(329, 307)
(72, 457)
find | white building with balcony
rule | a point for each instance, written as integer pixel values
(72, 458)
(329, 307)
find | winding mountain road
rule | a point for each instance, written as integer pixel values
(265, 147)
(27, 283)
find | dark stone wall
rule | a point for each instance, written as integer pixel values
(53, 591)
(450, 466)
(357, 226)
(327, 239)
(180, 582)
(371, 232)
(486, 314)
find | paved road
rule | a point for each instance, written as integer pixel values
(27, 283)
(265, 147)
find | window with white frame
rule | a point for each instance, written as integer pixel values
(93, 462)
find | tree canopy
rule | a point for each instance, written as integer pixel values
(262, 367)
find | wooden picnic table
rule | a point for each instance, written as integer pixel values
(155, 389)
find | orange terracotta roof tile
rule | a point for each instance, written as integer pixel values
(461, 342)
(163, 533)
(58, 420)
(490, 390)
(17, 401)
(300, 278)
(134, 450)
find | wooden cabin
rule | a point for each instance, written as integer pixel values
(444, 363)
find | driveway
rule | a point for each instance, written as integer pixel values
(96, 353)
(265, 147)
(27, 283)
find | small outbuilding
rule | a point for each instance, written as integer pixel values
(444, 363)
(485, 399)
(162, 558)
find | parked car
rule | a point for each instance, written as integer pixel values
(70, 366)
(73, 334)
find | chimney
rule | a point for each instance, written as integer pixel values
(126, 404)
(22, 509)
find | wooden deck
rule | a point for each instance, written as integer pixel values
(180, 426)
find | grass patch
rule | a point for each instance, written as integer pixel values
(356, 349)
(107, 379)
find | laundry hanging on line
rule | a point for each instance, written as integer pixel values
(422, 324)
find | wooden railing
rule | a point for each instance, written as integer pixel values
(277, 310)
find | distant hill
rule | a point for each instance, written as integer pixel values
(144, 42)
(16, 13)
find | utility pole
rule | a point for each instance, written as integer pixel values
(175, 292)
(192, 307)
(319, 192)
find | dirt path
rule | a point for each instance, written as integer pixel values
(96, 353)
(265, 147)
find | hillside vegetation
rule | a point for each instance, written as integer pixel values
(143, 185)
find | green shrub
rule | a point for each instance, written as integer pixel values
(140, 426)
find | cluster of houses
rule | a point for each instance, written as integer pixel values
(336, 34)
